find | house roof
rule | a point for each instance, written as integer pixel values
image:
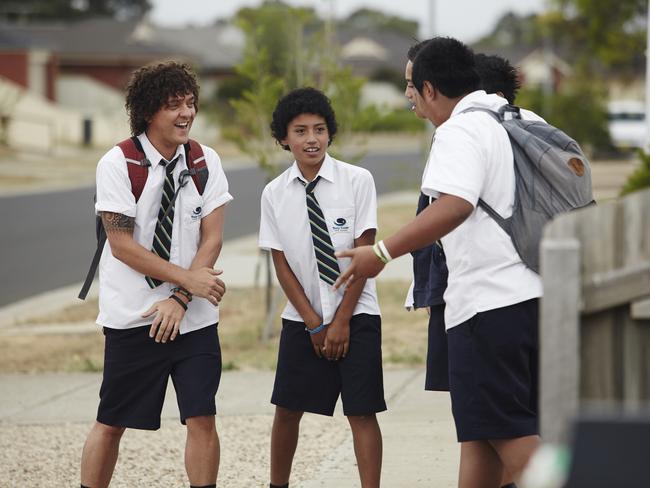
(217, 47)
(93, 39)
(369, 50)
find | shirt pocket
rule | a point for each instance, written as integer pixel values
(192, 211)
(340, 225)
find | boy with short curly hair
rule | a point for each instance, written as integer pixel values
(158, 291)
(331, 342)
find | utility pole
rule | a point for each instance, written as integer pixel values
(646, 146)
(432, 18)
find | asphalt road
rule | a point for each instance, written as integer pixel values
(48, 239)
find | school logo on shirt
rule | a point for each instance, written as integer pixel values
(340, 225)
(196, 214)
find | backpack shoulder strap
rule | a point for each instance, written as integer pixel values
(500, 117)
(136, 163)
(196, 164)
(138, 166)
(505, 112)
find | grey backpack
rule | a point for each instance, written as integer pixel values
(552, 176)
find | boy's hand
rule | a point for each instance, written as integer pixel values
(168, 319)
(365, 264)
(337, 340)
(318, 342)
(205, 283)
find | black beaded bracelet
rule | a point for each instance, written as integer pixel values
(179, 301)
(183, 292)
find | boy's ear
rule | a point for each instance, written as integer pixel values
(428, 91)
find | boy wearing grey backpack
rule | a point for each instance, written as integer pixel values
(492, 294)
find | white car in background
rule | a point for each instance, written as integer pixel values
(627, 126)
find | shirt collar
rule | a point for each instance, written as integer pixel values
(478, 98)
(154, 156)
(326, 171)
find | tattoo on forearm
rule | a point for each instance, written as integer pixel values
(115, 222)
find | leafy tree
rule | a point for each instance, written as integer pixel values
(375, 20)
(513, 30)
(605, 34)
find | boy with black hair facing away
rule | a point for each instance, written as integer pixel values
(331, 341)
(430, 272)
(497, 76)
(491, 297)
(158, 291)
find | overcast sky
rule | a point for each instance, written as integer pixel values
(467, 20)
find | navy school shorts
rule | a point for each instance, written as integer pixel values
(303, 382)
(437, 377)
(136, 370)
(493, 373)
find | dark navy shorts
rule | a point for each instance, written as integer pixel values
(303, 382)
(493, 373)
(437, 378)
(136, 370)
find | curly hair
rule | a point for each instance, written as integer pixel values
(302, 101)
(497, 75)
(151, 86)
(448, 65)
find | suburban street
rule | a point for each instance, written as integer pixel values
(48, 239)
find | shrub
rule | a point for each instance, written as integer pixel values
(640, 178)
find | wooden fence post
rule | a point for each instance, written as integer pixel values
(559, 336)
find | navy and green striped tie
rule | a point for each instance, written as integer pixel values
(328, 266)
(162, 239)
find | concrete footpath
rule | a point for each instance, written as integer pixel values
(44, 419)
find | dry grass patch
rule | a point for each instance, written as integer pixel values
(242, 319)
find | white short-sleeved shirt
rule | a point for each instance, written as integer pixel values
(124, 295)
(345, 193)
(471, 158)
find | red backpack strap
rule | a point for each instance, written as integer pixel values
(136, 163)
(196, 164)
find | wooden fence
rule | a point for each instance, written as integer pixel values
(595, 314)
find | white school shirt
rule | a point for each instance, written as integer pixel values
(124, 295)
(471, 157)
(346, 195)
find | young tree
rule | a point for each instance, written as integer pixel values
(278, 60)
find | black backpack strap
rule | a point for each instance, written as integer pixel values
(101, 240)
(503, 223)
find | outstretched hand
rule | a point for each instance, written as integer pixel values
(365, 264)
